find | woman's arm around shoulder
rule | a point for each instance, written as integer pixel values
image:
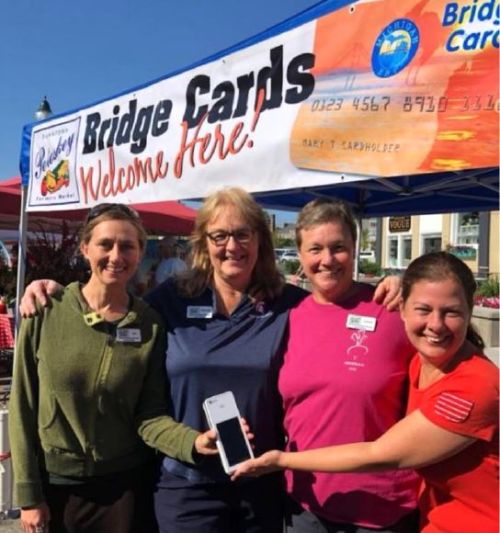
(38, 292)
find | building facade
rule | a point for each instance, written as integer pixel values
(473, 237)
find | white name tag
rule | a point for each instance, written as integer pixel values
(368, 323)
(200, 311)
(128, 335)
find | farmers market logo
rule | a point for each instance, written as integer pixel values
(395, 47)
(55, 179)
(57, 144)
(53, 164)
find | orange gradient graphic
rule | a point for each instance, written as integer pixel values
(440, 112)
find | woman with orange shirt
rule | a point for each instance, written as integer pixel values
(450, 434)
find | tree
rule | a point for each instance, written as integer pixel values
(55, 256)
(364, 239)
(281, 242)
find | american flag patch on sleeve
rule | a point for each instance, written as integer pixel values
(452, 407)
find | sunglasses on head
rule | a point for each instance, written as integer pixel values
(100, 209)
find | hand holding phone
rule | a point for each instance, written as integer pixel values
(223, 416)
(206, 443)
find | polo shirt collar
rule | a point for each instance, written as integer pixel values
(242, 306)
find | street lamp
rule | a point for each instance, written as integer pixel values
(44, 111)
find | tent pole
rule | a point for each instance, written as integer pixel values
(357, 248)
(21, 254)
(43, 112)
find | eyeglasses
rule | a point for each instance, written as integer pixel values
(221, 237)
(100, 209)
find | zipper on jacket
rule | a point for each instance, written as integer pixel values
(102, 374)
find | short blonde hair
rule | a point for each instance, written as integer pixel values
(323, 211)
(266, 281)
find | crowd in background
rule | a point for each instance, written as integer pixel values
(163, 258)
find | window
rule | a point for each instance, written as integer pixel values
(467, 228)
(399, 251)
(431, 243)
(406, 252)
(393, 252)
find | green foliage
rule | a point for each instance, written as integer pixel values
(280, 242)
(489, 287)
(7, 282)
(290, 267)
(55, 257)
(52, 256)
(364, 241)
(370, 268)
(470, 219)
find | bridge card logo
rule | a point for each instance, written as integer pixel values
(395, 47)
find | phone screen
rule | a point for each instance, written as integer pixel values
(231, 436)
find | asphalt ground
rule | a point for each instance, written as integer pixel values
(9, 525)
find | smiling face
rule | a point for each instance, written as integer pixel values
(327, 256)
(113, 252)
(233, 262)
(436, 317)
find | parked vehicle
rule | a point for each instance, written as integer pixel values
(279, 252)
(367, 255)
(289, 255)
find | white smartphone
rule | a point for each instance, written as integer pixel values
(223, 416)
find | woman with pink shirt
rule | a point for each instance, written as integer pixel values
(344, 379)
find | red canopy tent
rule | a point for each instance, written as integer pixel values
(165, 217)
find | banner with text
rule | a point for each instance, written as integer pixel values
(370, 89)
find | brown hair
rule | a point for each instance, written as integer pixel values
(438, 266)
(323, 211)
(266, 281)
(106, 211)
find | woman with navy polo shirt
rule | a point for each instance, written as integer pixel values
(225, 321)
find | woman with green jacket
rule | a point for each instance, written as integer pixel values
(89, 392)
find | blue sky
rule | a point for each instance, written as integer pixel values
(80, 52)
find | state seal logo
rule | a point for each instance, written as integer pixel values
(395, 47)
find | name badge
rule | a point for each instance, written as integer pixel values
(200, 311)
(128, 335)
(368, 323)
